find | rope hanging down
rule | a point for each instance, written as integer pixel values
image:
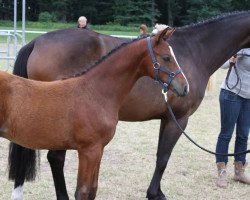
(189, 138)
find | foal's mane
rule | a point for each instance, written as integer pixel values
(103, 58)
(214, 19)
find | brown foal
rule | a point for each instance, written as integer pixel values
(81, 113)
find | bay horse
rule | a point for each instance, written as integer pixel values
(81, 113)
(201, 48)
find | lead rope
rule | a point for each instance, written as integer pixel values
(190, 139)
(232, 65)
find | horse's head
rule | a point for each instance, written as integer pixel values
(165, 66)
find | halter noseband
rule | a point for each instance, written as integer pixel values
(158, 68)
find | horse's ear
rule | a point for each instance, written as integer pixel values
(165, 34)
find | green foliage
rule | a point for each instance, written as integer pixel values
(126, 12)
(200, 9)
(241, 4)
(60, 9)
(46, 17)
(116, 27)
(172, 12)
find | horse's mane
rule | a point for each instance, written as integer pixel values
(214, 19)
(102, 59)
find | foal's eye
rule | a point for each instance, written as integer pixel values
(166, 58)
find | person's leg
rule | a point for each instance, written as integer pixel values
(229, 109)
(242, 132)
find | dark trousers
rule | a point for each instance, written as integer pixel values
(235, 110)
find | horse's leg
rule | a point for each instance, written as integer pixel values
(56, 160)
(169, 135)
(87, 180)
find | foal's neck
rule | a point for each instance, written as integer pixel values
(115, 76)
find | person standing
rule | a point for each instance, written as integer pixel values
(143, 31)
(235, 111)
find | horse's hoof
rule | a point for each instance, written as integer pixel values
(160, 197)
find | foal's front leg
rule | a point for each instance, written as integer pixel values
(89, 164)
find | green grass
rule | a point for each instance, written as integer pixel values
(109, 29)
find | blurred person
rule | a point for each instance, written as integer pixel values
(143, 31)
(82, 22)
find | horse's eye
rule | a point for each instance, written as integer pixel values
(166, 58)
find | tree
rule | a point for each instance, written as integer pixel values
(6, 7)
(171, 12)
(241, 5)
(201, 9)
(135, 12)
(105, 12)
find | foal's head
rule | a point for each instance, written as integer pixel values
(166, 69)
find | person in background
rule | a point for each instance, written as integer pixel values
(82, 23)
(235, 111)
(143, 31)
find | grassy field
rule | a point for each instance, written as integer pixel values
(109, 29)
(129, 159)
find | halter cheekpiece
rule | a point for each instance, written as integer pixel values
(158, 68)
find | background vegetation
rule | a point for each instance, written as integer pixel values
(130, 12)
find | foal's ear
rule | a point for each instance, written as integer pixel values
(165, 34)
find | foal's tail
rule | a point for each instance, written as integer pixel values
(22, 161)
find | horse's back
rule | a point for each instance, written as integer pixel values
(62, 53)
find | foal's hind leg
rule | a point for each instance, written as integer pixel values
(169, 135)
(56, 160)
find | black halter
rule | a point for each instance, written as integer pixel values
(158, 68)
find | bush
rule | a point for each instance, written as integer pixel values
(110, 26)
(46, 17)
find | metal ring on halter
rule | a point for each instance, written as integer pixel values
(172, 74)
(156, 65)
(165, 94)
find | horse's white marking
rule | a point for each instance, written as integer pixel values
(173, 55)
(17, 194)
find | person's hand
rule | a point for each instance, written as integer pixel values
(233, 60)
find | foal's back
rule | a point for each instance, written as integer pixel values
(41, 110)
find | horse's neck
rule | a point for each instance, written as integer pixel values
(211, 44)
(116, 75)
(108, 43)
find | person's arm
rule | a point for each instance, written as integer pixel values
(226, 65)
